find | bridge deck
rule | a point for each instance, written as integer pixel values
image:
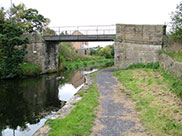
(80, 38)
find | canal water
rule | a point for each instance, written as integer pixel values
(26, 104)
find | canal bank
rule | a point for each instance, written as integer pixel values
(69, 106)
(99, 108)
(38, 98)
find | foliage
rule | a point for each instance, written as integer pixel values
(106, 52)
(14, 25)
(81, 118)
(67, 51)
(175, 55)
(78, 64)
(141, 65)
(28, 19)
(70, 60)
(49, 32)
(112, 50)
(94, 52)
(29, 69)
(176, 17)
(158, 116)
(12, 56)
(175, 84)
(2, 15)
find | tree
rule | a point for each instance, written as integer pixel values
(14, 25)
(176, 17)
(106, 52)
(29, 19)
(49, 32)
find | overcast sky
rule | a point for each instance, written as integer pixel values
(101, 12)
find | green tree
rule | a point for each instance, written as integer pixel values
(14, 25)
(176, 29)
(106, 52)
(49, 32)
(29, 19)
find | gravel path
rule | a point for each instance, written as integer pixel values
(116, 115)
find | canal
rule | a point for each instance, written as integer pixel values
(26, 104)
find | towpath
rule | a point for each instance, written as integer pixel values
(116, 115)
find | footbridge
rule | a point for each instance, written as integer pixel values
(132, 43)
(82, 33)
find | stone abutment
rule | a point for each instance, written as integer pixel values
(137, 44)
(42, 54)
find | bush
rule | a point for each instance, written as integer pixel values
(68, 52)
(106, 52)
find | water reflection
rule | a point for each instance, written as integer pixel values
(26, 104)
(67, 91)
(77, 80)
(27, 101)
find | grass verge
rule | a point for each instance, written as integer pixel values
(30, 69)
(160, 109)
(81, 118)
(78, 64)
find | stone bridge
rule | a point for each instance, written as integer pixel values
(133, 44)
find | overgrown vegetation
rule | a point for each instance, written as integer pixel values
(159, 108)
(107, 51)
(14, 24)
(78, 64)
(173, 43)
(28, 69)
(70, 60)
(176, 30)
(177, 55)
(80, 120)
(141, 65)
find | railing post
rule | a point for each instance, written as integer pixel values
(59, 31)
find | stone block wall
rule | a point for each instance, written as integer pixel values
(128, 54)
(137, 44)
(140, 34)
(170, 65)
(44, 55)
(51, 57)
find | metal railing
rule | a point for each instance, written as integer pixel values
(85, 30)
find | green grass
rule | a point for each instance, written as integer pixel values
(78, 64)
(80, 120)
(175, 84)
(30, 69)
(144, 85)
(175, 55)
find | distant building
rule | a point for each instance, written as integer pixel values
(79, 45)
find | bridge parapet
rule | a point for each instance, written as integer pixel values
(140, 34)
